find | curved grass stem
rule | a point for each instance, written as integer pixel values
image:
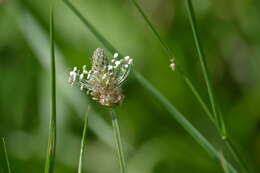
(217, 115)
(118, 141)
(82, 147)
(178, 68)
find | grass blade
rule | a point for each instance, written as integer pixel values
(82, 147)
(224, 164)
(171, 109)
(50, 160)
(6, 156)
(202, 60)
(117, 136)
(183, 121)
(178, 68)
(236, 155)
(199, 98)
(217, 115)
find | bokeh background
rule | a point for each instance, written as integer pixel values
(154, 141)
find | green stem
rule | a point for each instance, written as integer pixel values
(50, 160)
(201, 55)
(82, 147)
(178, 68)
(198, 97)
(118, 141)
(223, 163)
(183, 121)
(236, 155)
(217, 115)
(6, 156)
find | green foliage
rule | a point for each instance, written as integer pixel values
(154, 141)
(174, 112)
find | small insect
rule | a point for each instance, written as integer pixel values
(103, 82)
(172, 64)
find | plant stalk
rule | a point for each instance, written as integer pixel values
(236, 155)
(178, 68)
(118, 141)
(217, 115)
(201, 54)
(82, 147)
(6, 156)
(50, 160)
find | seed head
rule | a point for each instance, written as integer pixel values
(103, 82)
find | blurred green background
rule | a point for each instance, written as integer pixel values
(154, 141)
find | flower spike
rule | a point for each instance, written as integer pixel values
(103, 82)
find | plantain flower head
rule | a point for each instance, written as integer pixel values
(104, 80)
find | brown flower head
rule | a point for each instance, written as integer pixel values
(103, 82)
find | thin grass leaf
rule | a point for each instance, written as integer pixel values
(182, 120)
(178, 68)
(117, 136)
(50, 160)
(6, 156)
(199, 98)
(171, 109)
(202, 60)
(236, 155)
(83, 139)
(217, 114)
(224, 163)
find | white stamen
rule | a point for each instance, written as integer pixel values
(130, 61)
(110, 67)
(115, 55)
(127, 58)
(81, 76)
(85, 72)
(117, 63)
(73, 76)
(88, 76)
